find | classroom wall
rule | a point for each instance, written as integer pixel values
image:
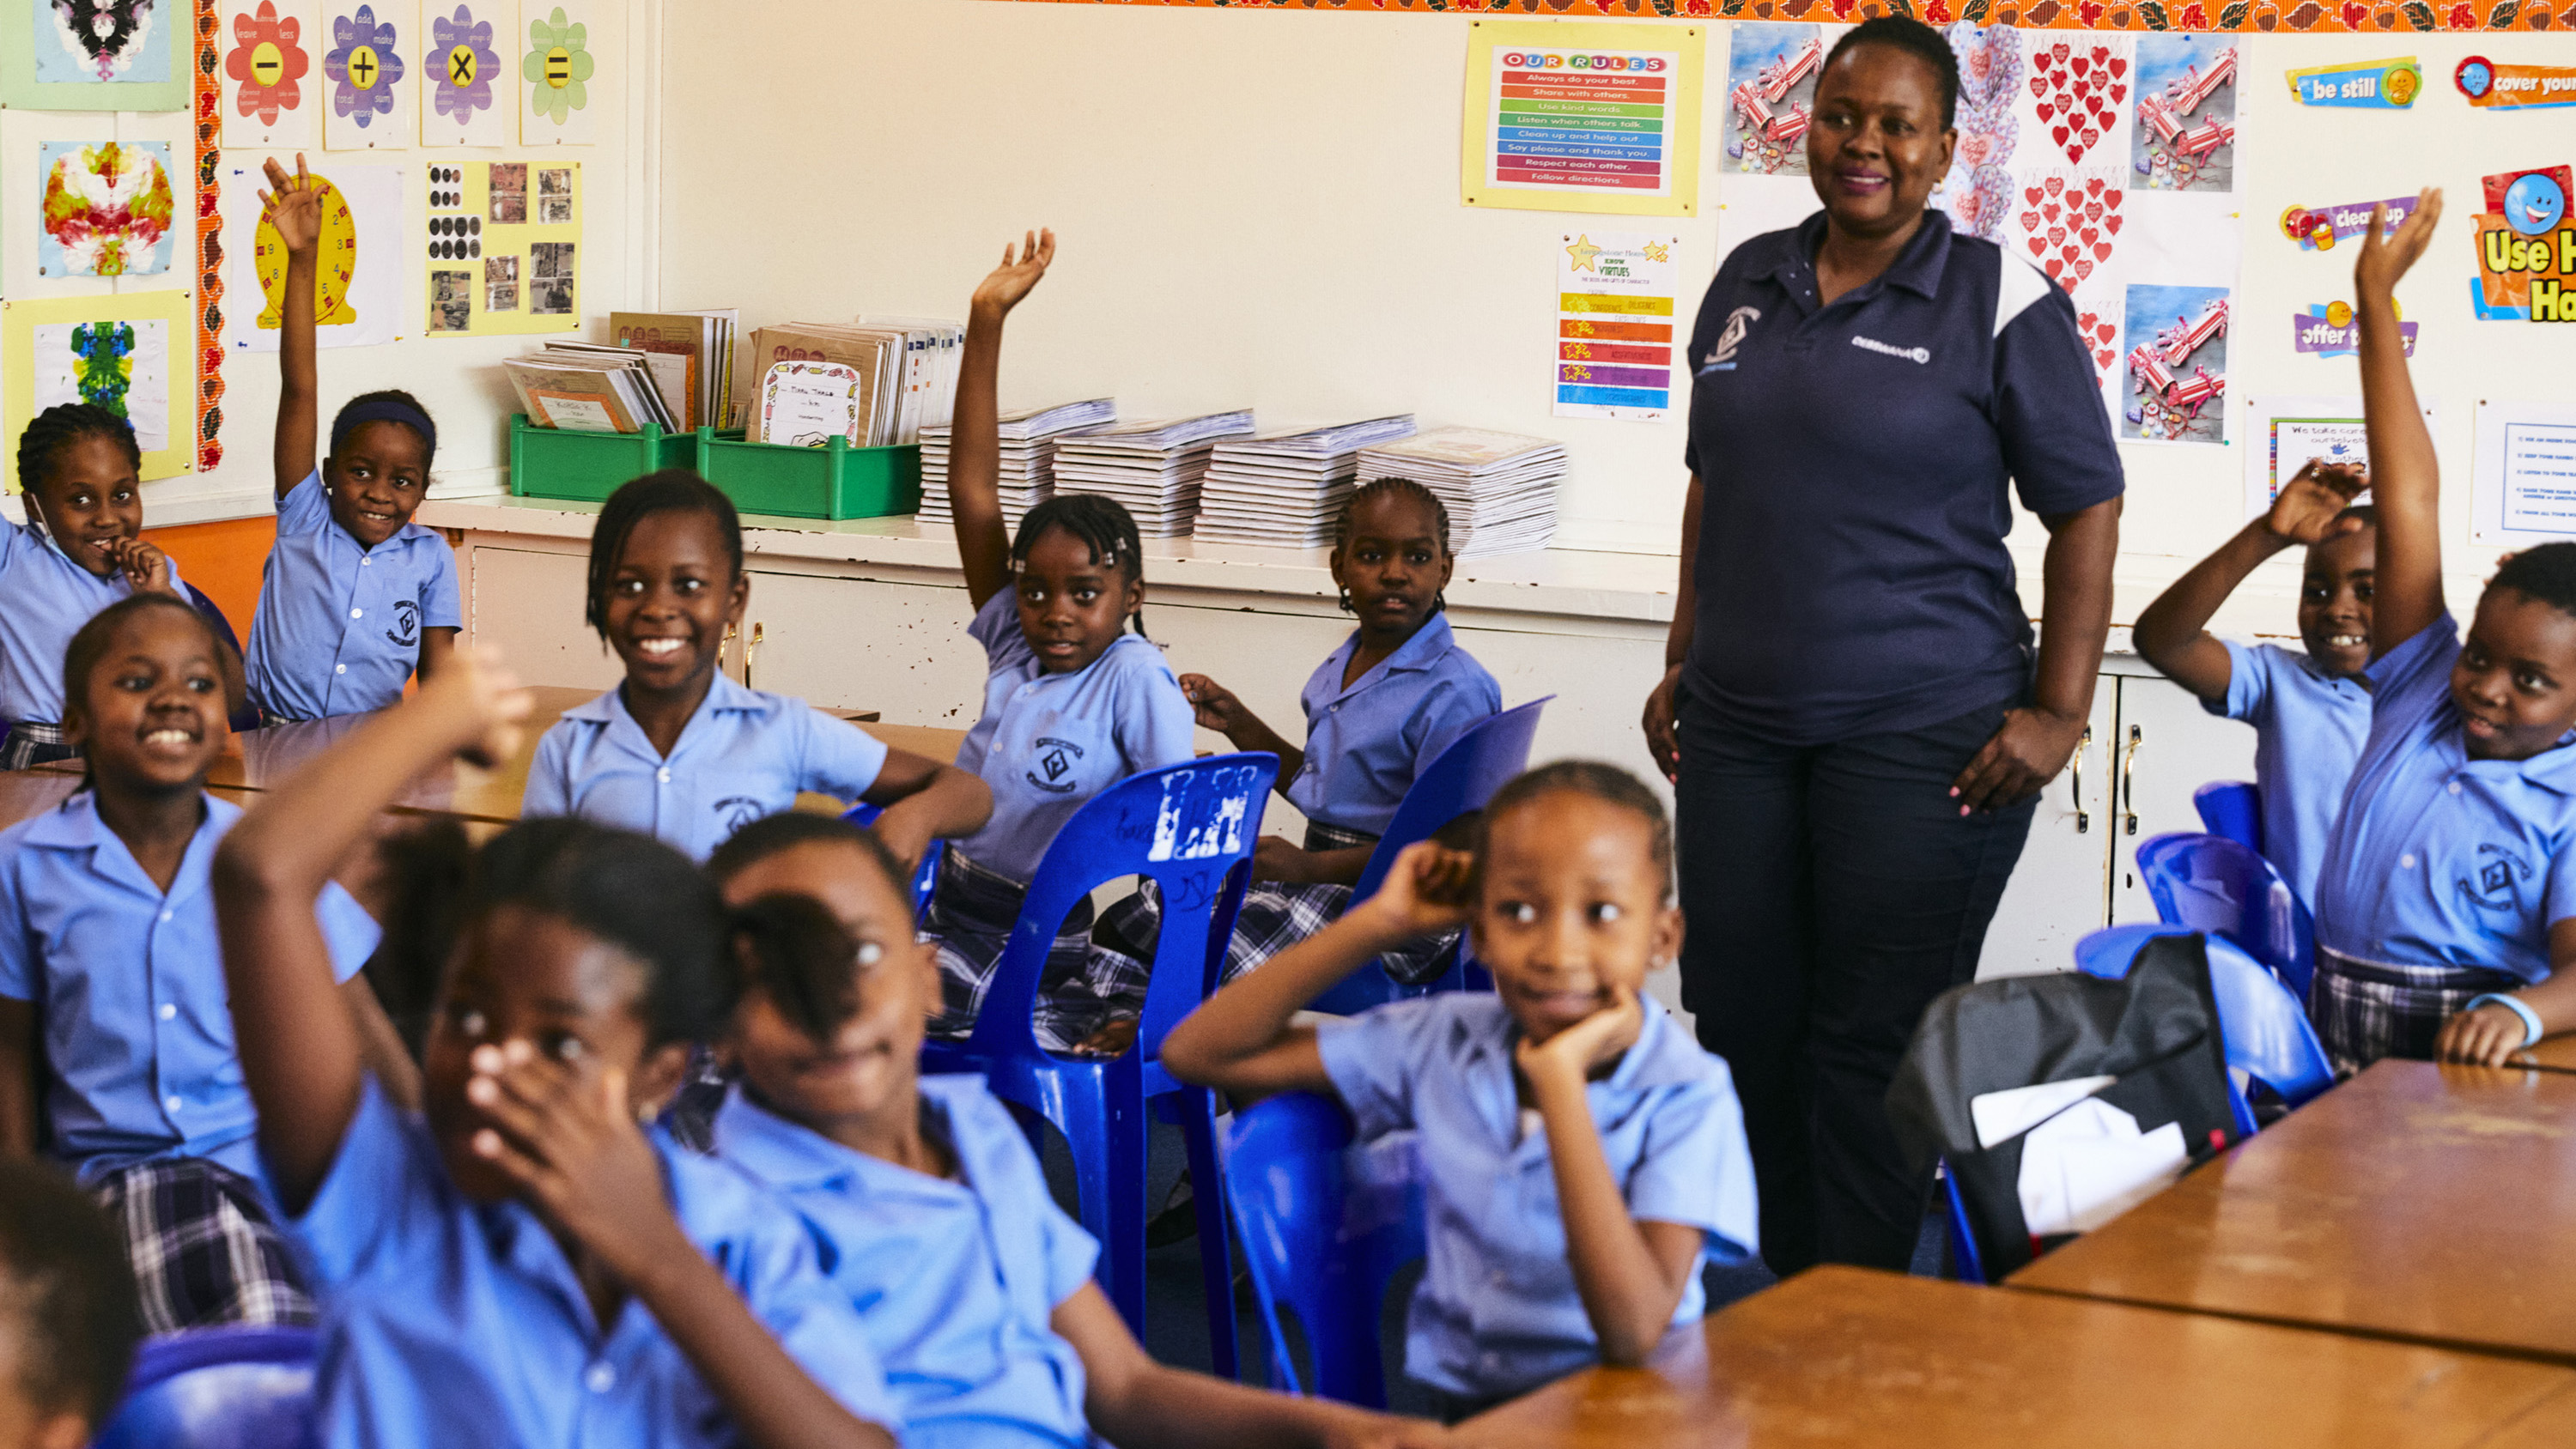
(1261, 206)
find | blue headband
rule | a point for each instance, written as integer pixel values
(383, 410)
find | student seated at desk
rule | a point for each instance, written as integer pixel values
(356, 596)
(975, 1287)
(80, 550)
(679, 750)
(521, 1262)
(2310, 711)
(2446, 910)
(1581, 1156)
(1379, 710)
(67, 1324)
(116, 1050)
(1073, 704)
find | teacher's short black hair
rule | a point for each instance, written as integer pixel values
(1916, 39)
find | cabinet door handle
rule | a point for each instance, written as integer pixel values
(2129, 781)
(751, 651)
(2083, 821)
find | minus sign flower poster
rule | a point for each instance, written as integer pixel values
(470, 87)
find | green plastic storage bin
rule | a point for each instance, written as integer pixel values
(561, 463)
(832, 481)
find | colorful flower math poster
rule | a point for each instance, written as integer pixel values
(127, 352)
(1580, 117)
(372, 73)
(1617, 296)
(556, 68)
(357, 289)
(269, 78)
(469, 86)
(108, 209)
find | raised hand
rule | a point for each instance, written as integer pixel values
(1429, 888)
(2310, 503)
(2387, 255)
(294, 206)
(999, 292)
(479, 702)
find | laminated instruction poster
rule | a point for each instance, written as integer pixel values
(1579, 117)
(504, 248)
(1617, 296)
(2524, 489)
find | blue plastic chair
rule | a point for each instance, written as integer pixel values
(1325, 1230)
(2214, 884)
(218, 1388)
(2262, 1028)
(1466, 775)
(925, 877)
(2233, 810)
(1190, 829)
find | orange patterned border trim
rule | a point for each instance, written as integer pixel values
(210, 238)
(2344, 17)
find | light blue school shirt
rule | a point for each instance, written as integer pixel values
(1497, 1311)
(338, 629)
(744, 754)
(2439, 859)
(2308, 731)
(957, 1282)
(1046, 743)
(44, 599)
(447, 1322)
(1366, 745)
(128, 985)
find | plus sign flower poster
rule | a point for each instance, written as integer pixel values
(370, 74)
(268, 73)
(469, 74)
(558, 100)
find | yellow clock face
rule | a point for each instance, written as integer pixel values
(336, 259)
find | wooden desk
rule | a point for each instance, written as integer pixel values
(2557, 1054)
(2436, 1204)
(1846, 1356)
(2551, 1424)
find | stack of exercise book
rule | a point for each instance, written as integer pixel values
(1029, 439)
(803, 384)
(1152, 467)
(690, 354)
(1287, 489)
(585, 387)
(1499, 488)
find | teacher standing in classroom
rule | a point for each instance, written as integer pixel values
(1854, 715)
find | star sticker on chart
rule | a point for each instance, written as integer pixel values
(1583, 251)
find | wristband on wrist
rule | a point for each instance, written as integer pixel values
(2531, 1028)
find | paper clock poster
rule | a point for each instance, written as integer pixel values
(107, 209)
(1617, 295)
(555, 71)
(269, 84)
(130, 352)
(504, 250)
(2523, 488)
(1582, 117)
(94, 55)
(360, 262)
(468, 82)
(371, 72)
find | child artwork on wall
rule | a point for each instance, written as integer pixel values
(555, 75)
(129, 352)
(2185, 136)
(102, 42)
(1978, 192)
(371, 72)
(268, 84)
(468, 102)
(107, 209)
(1771, 69)
(2177, 365)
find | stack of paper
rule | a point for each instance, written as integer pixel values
(585, 387)
(933, 354)
(1287, 489)
(806, 383)
(1499, 488)
(691, 357)
(1028, 457)
(1151, 467)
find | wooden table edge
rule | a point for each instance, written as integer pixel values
(2474, 1347)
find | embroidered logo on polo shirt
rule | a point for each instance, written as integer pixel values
(1057, 758)
(1729, 337)
(1916, 355)
(738, 811)
(406, 629)
(2498, 871)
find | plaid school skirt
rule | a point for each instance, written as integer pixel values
(1082, 987)
(1277, 915)
(30, 745)
(205, 1245)
(2364, 1010)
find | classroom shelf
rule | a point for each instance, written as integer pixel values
(832, 481)
(562, 463)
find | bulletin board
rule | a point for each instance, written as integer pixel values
(2243, 16)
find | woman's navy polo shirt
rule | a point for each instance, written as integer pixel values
(1851, 575)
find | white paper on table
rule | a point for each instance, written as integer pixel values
(2009, 1113)
(2090, 1163)
(2523, 489)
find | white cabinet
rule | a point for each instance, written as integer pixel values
(2170, 747)
(529, 601)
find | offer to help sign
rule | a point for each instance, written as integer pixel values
(1576, 117)
(2526, 248)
